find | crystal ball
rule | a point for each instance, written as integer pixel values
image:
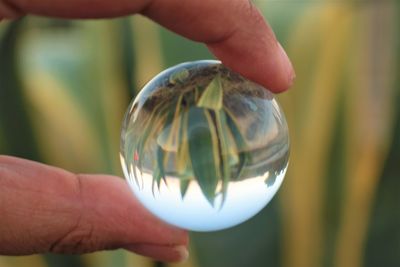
(203, 148)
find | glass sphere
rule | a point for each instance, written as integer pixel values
(203, 148)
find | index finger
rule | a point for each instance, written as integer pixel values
(234, 30)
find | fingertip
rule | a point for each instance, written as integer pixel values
(272, 69)
(171, 254)
(287, 68)
(262, 60)
(183, 253)
(256, 54)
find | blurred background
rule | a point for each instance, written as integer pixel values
(64, 86)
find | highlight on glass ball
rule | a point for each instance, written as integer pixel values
(203, 148)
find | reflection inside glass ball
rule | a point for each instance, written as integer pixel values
(203, 148)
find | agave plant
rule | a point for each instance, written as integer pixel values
(199, 124)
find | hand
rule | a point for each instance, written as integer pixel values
(234, 30)
(46, 209)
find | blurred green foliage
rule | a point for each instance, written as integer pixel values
(64, 86)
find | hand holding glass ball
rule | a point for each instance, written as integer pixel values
(203, 148)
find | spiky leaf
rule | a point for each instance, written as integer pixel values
(240, 143)
(160, 166)
(228, 151)
(184, 185)
(168, 138)
(151, 126)
(213, 95)
(183, 166)
(203, 150)
(179, 77)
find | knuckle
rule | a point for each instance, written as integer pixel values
(79, 239)
(81, 236)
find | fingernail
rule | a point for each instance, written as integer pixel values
(183, 253)
(287, 64)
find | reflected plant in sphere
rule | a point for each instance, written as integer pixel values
(203, 148)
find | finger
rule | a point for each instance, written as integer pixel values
(161, 253)
(8, 10)
(234, 30)
(46, 209)
(72, 8)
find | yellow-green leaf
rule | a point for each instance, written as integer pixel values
(169, 136)
(182, 163)
(151, 127)
(241, 144)
(160, 154)
(179, 77)
(228, 151)
(184, 185)
(213, 95)
(203, 150)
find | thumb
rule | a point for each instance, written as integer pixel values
(46, 209)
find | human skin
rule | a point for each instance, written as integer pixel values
(47, 209)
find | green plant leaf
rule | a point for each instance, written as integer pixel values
(213, 95)
(168, 139)
(240, 141)
(160, 165)
(228, 151)
(184, 185)
(179, 77)
(197, 93)
(151, 126)
(203, 151)
(183, 165)
(156, 179)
